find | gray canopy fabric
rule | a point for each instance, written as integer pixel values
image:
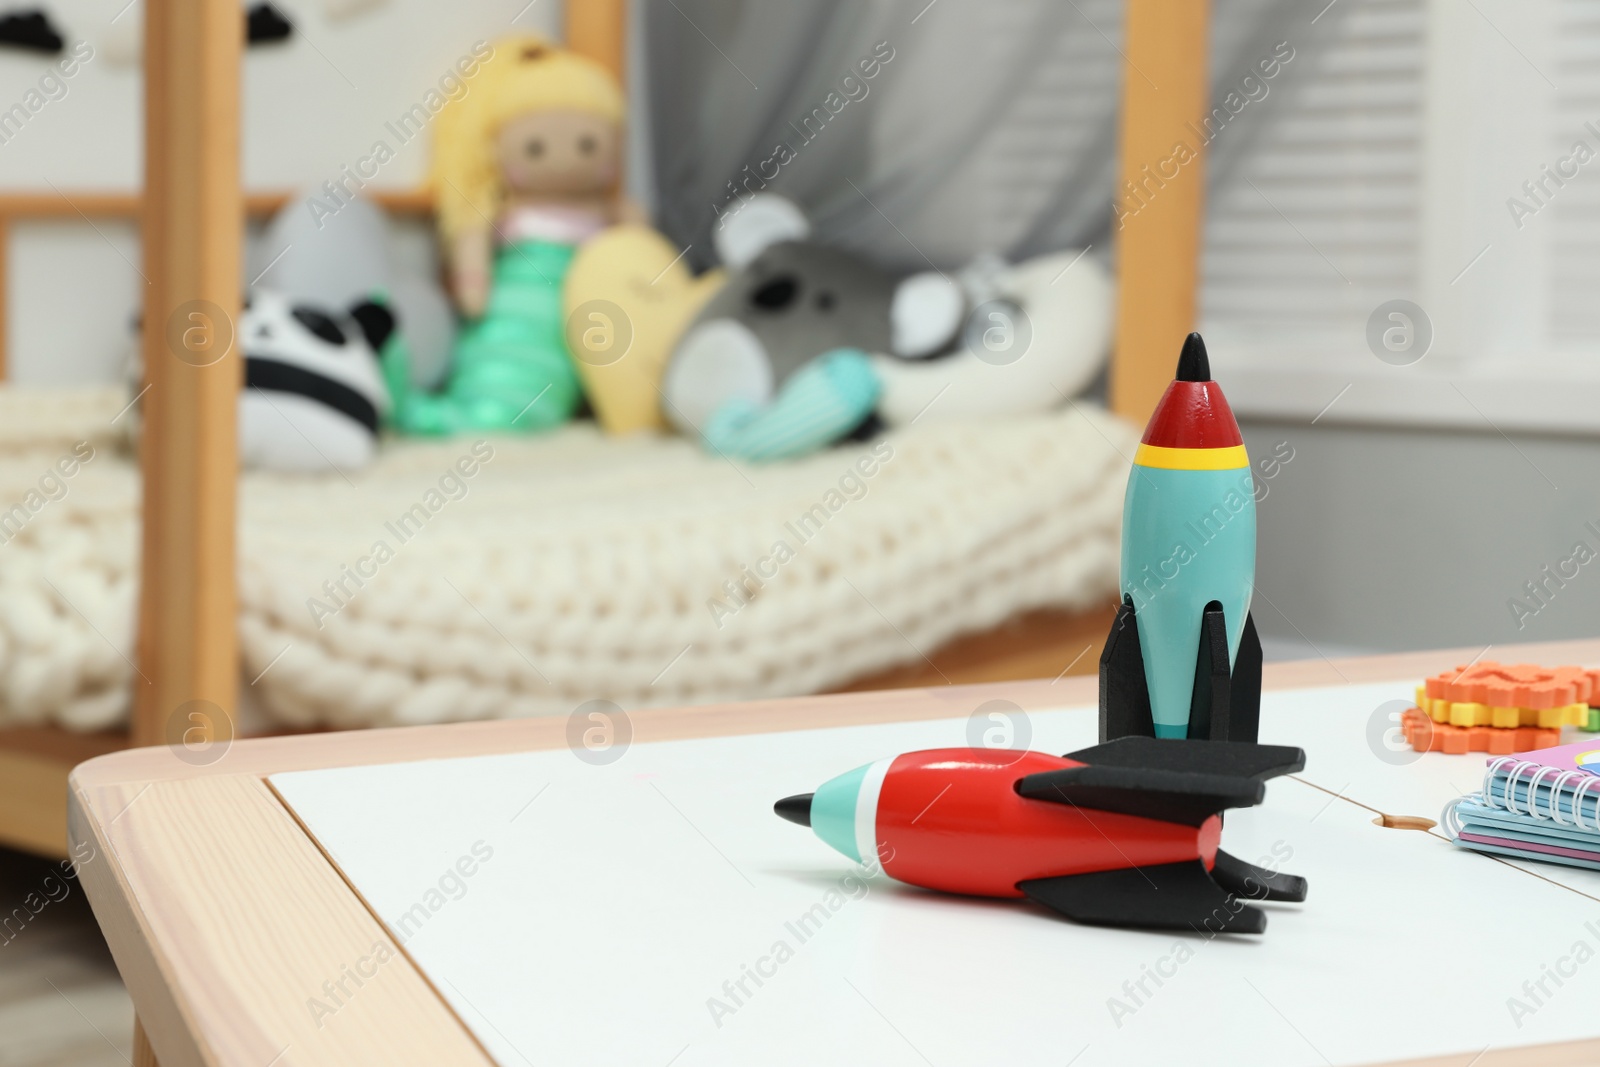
(984, 126)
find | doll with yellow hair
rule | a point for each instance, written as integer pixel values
(525, 170)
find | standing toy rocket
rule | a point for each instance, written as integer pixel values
(1121, 834)
(1182, 658)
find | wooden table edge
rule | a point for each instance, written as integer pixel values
(169, 1014)
(158, 1006)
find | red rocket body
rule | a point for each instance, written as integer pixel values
(952, 819)
(1121, 834)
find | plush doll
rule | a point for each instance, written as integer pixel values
(1031, 334)
(629, 297)
(313, 393)
(807, 344)
(776, 363)
(526, 166)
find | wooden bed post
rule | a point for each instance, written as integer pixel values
(599, 29)
(192, 230)
(1160, 196)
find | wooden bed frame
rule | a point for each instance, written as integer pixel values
(191, 234)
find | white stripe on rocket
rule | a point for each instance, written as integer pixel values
(867, 813)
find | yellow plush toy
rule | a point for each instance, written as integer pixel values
(628, 297)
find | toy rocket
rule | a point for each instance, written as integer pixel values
(1122, 834)
(1190, 663)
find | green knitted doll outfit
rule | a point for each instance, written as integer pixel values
(510, 372)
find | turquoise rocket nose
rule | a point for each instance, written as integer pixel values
(833, 811)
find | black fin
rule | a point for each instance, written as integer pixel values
(1168, 896)
(1184, 797)
(1193, 363)
(1244, 690)
(1124, 693)
(1210, 705)
(1231, 758)
(1248, 880)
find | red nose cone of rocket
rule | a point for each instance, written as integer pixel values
(1193, 413)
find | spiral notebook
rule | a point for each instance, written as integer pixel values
(1542, 805)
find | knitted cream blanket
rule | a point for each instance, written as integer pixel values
(513, 577)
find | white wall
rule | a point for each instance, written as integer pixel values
(1381, 540)
(311, 104)
(72, 298)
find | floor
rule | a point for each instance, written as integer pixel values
(61, 1002)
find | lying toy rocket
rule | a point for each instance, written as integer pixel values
(1122, 834)
(1190, 663)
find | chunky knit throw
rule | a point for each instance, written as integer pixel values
(491, 578)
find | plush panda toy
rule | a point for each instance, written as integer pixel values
(314, 392)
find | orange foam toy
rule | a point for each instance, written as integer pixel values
(1425, 735)
(1515, 685)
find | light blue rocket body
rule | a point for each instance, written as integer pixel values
(1188, 538)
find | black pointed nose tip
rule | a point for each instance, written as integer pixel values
(1193, 363)
(796, 809)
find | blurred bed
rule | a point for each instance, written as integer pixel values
(640, 571)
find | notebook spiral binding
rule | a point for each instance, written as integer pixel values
(1543, 774)
(1450, 820)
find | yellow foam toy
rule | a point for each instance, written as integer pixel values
(1466, 714)
(628, 297)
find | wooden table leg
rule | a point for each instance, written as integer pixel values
(143, 1054)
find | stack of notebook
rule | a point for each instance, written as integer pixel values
(1542, 805)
